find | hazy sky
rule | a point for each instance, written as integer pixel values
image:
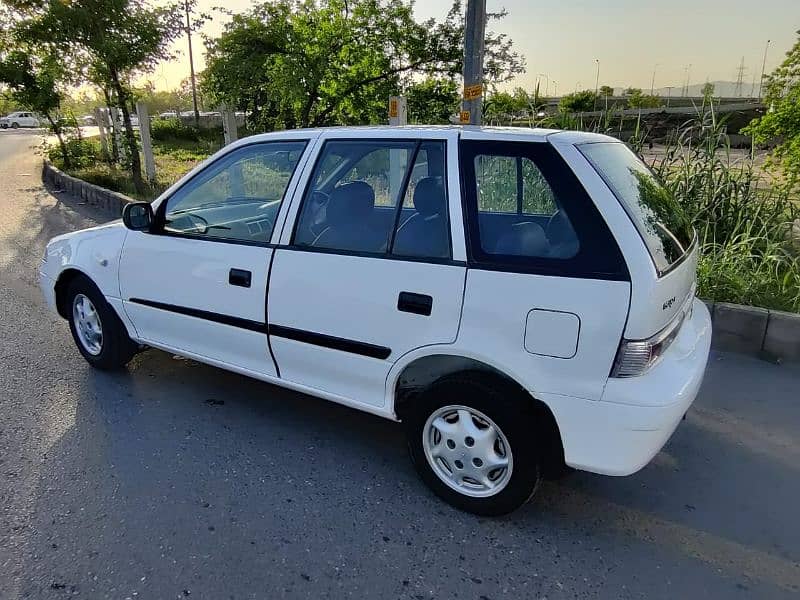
(631, 38)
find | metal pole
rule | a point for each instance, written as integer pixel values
(474, 32)
(596, 83)
(763, 66)
(686, 87)
(191, 64)
(653, 80)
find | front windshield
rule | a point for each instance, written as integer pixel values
(657, 215)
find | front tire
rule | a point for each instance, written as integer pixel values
(475, 445)
(98, 332)
(15, 126)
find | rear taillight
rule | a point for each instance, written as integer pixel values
(636, 357)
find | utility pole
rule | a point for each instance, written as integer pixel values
(669, 93)
(191, 64)
(739, 79)
(763, 66)
(596, 83)
(474, 33)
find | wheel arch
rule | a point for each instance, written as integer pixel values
(65, 278)
(421, 371)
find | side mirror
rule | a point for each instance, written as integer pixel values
(138, 216)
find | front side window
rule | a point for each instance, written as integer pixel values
(518, 212)
(658, 217)
(353, 202)
(237, 197)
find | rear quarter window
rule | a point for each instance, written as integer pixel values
(656, 214)
(526, 212)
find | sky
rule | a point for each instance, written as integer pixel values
(562, 40)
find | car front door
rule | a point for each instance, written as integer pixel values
(365, 272)
(197, 283)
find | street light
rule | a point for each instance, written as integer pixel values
(763, 66)
(597, 77)
(547, 82)
(686, 85)
(653, 80)
(555, 88)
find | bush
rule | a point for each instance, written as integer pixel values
(173, 129)
(748, 254)
(82, 153)
(584, 101)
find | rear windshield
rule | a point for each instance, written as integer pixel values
(661, 222)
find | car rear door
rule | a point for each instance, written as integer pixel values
(197, 283)
(366, 271)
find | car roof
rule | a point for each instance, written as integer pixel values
(467, 132)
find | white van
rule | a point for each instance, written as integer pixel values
(522, 300)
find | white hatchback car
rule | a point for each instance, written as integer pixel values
(522, 300)
(19, 119)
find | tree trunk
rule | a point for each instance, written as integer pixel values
(114, 149)
(134, 161)
(62, 144)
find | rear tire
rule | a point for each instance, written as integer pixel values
(15, 126)
(98, 332)
(474, 444)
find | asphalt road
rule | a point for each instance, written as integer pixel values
(177, 480)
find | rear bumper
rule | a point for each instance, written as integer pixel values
(622, 432)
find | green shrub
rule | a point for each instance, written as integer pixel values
(744, 223)
(173, 129)
(82, 153)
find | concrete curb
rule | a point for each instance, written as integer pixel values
(100, 197)
(770, 334)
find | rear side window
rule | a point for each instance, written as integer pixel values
(518, 213)
(527, 212)
(657, 215)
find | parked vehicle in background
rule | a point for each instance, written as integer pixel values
(19, 119)
(522, 300)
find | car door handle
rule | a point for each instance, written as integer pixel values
(418, 304)
(240, 277)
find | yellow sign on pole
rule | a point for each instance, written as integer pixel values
(463, 116)
(471, 92)
(393, 111)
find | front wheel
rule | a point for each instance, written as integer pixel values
(97, 330)
(474, 445)
(15, 126)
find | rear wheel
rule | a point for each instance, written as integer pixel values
(97, 330)
(474, 445)
(15, 125)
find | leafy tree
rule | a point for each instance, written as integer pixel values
(500, 105)
(606, 91)
(34, 79)
(582, 101)
(638, 100)
(782, 120)
(113, 39)
(352, 55)
(432, 101)
(708, 90)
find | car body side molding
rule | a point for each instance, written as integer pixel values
(298, 335)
